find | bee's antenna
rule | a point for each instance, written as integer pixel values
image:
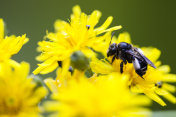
(112, 37)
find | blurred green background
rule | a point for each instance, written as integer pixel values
(150, 23)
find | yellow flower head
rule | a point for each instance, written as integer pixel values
(9, 45)
(19, 96)
(102, 96)
(79, 34)
(153, 78)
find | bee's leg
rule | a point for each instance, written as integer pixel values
(113, 59)
(121, 67)
(125, 61)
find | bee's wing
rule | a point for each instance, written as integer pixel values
(137, 53)
(144, 57)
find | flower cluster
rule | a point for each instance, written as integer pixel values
(155, 81)
(87, 83)
(94, 86)
(19, 95)
(99, 96)
(10, 45)
(79, 34)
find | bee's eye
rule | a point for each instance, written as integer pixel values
(112, 49)
(113, 46)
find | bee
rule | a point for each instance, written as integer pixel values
(129, 54)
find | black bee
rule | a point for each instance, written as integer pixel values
(127, 53)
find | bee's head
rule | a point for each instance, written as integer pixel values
(124, 46)
(112, 49)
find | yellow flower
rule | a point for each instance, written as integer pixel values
(9, 45)
(79, 34)
(102, 96)
(63, 76)
(148, 85)
(19, 95)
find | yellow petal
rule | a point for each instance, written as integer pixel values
(161, 91)
(51, 106)
(52, 85)
(39, 93)
(105, 25)
(94, 18)
(60, 25)
(152, 53)
(124, 37)
(170, 97)
(88, 52)
(140, 100)
(46, 67)
(20, 40)
(76, 11)
(98, 66)
(49, 68)
(1, 29)
(169, 87)
(169, 78)
(110, 29)
(155, 98)
(25, 67)
(164, 68)
(135, 89)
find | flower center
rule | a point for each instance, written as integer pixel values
(10, 106)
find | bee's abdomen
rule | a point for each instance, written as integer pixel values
(141, 70)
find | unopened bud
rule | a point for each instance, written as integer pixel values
(79, 61)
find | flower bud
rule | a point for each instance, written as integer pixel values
(79, 61)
